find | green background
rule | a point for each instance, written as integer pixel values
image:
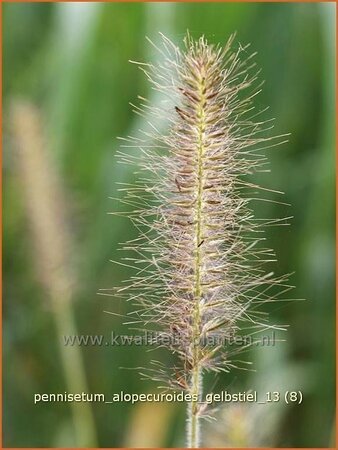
(71, 61)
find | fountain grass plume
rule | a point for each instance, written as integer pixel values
(199, 260)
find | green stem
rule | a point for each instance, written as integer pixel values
(196, 378)
(193, 419)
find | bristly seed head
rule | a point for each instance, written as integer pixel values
(200, 273)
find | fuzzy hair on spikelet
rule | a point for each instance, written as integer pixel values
(199, 259)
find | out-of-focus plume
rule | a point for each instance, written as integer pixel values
(52, 247)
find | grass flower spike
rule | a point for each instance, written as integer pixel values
(199, 257)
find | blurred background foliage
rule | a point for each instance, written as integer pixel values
(66, 66)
